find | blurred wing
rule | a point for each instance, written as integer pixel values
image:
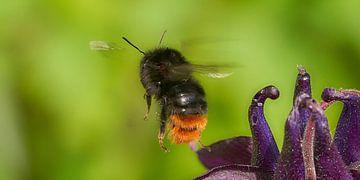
(103, 46)
(212, 71)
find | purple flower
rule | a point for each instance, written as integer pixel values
(308, 151)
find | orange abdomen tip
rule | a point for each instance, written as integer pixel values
(189, 121)
(187, 128)
(183, 136)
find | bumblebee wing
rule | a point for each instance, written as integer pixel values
(212, 71)
(103, 46)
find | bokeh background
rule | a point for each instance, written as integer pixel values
(67, 112)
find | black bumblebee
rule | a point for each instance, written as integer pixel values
(167, 76)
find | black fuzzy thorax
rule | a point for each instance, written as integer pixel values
(156, 68)
(179, 90)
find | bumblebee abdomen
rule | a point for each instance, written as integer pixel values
(188, 109)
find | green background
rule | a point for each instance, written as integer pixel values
(67, 112)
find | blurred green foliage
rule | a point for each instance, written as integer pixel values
(67, 112)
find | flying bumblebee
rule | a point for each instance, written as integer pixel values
(167, 76)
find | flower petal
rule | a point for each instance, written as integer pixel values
(291, 162)
(302, 86)
(229, 151)
(327, 160)
(265, 151)
(231, 172)
(347, 134)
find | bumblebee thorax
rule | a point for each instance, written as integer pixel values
(162, 65)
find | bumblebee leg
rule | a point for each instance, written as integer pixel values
(163, 120)
(148, 103)
(161, 137)
(204, 146)
(193, 145)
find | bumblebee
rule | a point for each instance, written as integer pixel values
(167, 76)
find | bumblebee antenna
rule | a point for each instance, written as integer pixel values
(162, 36)
(142, 52)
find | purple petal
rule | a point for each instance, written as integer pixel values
(327, 160)
(265, 151)
(229, 151)
(302, 86)
(291, 162)
(347, 134)
(231, 172)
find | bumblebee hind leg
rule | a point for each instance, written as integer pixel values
(162, 131)
(193, 146)
(161, 137)
(204, 146)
